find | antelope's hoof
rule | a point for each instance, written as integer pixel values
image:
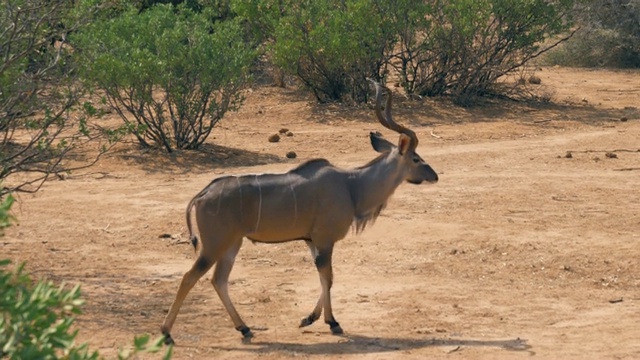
(246, 332)
(336, 330)
(308, 320)
(335, 327)
(168, 340)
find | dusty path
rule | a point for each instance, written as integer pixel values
(517, 252)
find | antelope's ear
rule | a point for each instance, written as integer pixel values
(379, 143)
(404, 143)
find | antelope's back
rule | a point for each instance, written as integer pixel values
(273, 207)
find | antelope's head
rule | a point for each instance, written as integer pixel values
(415, 170)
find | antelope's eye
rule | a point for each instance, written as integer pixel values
(416, 159)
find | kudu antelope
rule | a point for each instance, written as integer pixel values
(315, 202)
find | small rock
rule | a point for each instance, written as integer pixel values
(289, 133)
(568, 155)
(535, 80)
(283, 131)
(274, 138)
(292, 155)
(615, 301)
(165, 236)
(623, 119)
(611, 155)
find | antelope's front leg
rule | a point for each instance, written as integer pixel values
(315, 314)
(325, 270)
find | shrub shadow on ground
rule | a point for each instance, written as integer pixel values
(206, 159)
(442, 110)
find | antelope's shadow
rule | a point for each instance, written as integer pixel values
(360, 344)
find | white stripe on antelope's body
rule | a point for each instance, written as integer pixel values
(315, 202)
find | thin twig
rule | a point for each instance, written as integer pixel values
(627, 169)
(616, 150)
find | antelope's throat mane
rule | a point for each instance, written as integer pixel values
(360, 221)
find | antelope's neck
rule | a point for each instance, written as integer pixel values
(372, 186)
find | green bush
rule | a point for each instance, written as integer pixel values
(168, 72)
(39, 93)
(588, 48)
(458, 47)
(609, 36)
(36, 320)
(36, 317)
(261, 17)
(5, 215)
(332, 46)
(463, 47)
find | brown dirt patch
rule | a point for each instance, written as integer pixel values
(517, 251)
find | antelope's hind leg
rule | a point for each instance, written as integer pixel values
(190, 278)
(220, 282)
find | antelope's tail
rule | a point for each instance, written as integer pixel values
(192, 236)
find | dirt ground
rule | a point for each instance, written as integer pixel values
(518, 251)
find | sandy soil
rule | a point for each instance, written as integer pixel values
(517, 252)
